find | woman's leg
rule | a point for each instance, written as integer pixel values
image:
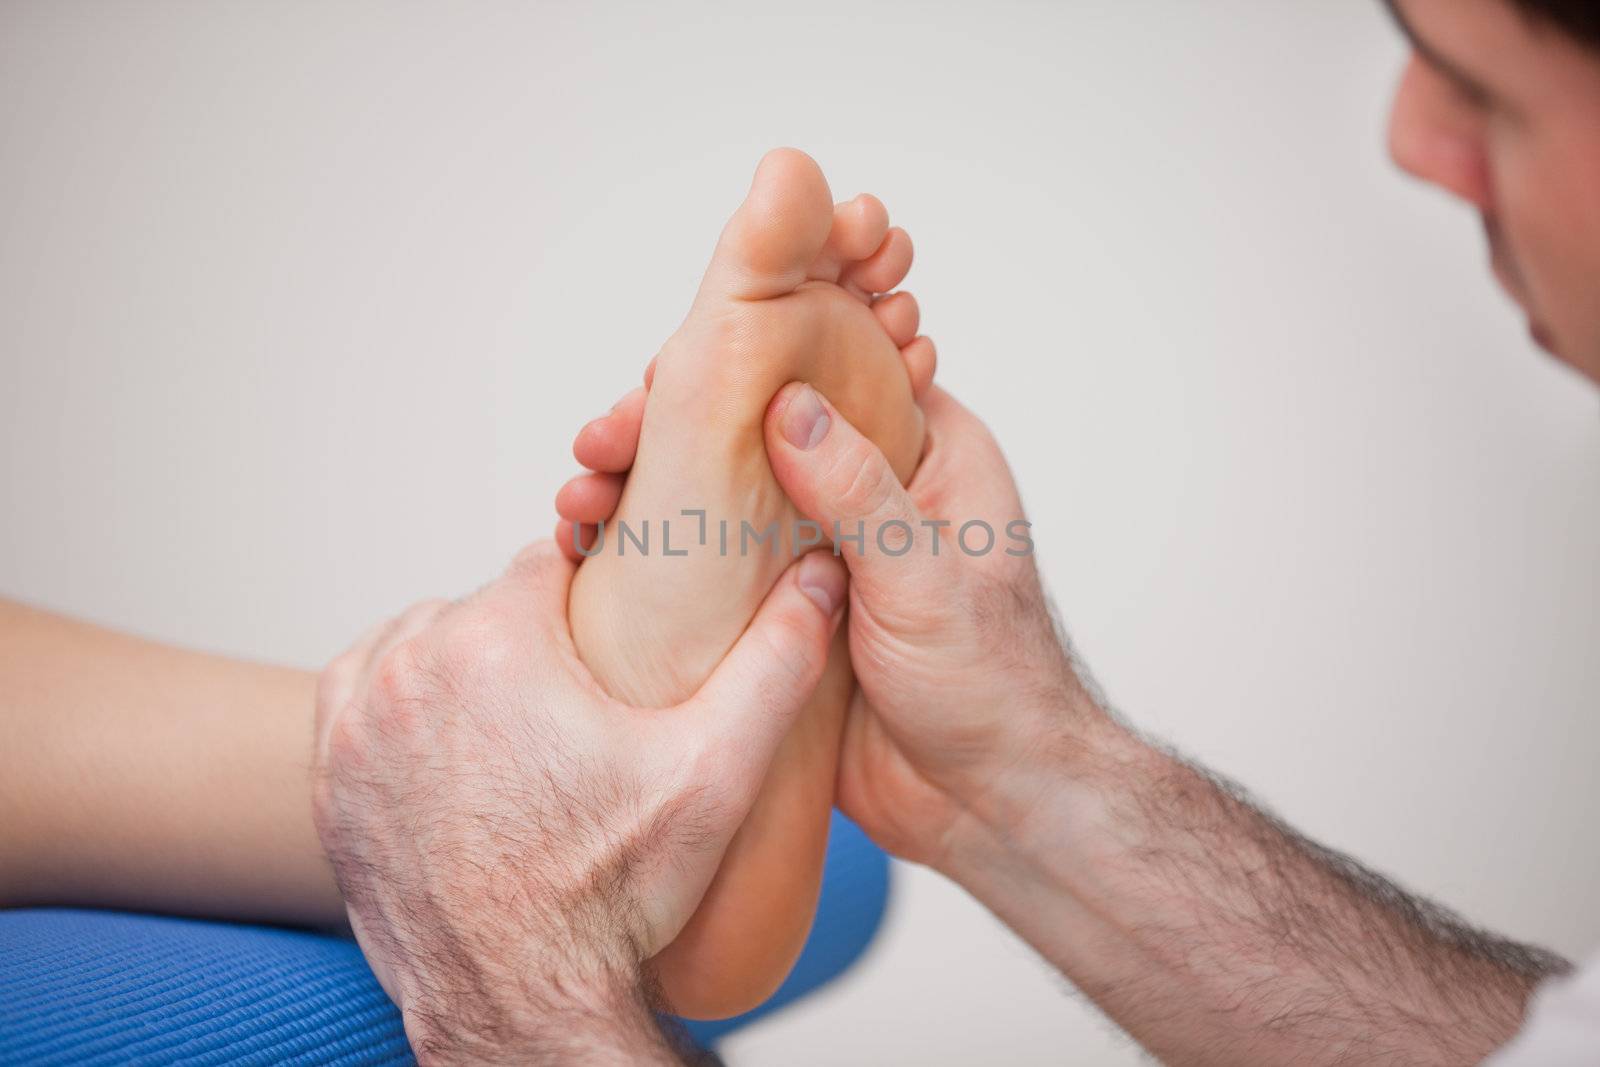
(136, 775)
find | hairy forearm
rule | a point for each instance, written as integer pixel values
(1215, 934)
(141, 776)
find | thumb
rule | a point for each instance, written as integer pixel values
(840, 480)
(755, 694)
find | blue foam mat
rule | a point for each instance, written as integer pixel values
(93, 987)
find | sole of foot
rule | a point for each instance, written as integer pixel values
(799, 289)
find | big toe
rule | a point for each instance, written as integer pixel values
(772, 239)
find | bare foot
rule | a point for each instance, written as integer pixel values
(791, 294)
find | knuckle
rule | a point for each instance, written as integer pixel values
(915, 604)
(867, 485)
(345, 664)
(429, 610)
(475, 654)
(792, 644)
(541, 568)
(348, 741)
(401, 676)
(536, 558)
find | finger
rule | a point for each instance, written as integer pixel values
(347, 677)
(752, 698)
(589, 498)
(534, 589)
(336, 685)
(835, 475)
(415, 619)
(610, 442)
(963, 461)
(408, 624)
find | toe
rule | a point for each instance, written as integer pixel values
(610, 442)
(589, 497)
(566, 534)
(569, 535)
(778, 231)
(564, 540)
(899, 315)
(859, 227)
(885, 268)
(921, 360)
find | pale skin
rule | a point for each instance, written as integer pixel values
(1206, 929)
(1209, 931)
(796, 288)
(185, 775)
(513, 843)
(146, 777)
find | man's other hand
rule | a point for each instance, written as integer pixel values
(511, 843)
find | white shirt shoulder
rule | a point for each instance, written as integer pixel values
(1562, 1027)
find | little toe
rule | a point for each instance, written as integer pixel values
(778, 231)
(885, 268)
(899, 315)
(610, 442)
(921, 360)
(570, 534)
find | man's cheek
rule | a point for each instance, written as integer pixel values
(1562, 307)
(1550, 222)
(1575, 255)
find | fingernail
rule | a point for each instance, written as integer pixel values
(822, 578)
(805, 420)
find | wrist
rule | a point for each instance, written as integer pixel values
(1042, 810)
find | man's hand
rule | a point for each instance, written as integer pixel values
(1210, 931)
(963, 676)
(512, 843)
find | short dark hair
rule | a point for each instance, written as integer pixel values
(1580, 18)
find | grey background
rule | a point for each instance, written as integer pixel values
(301, 304)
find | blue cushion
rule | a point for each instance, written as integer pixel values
(89, 987)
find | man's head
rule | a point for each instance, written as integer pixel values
(1500, 105)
